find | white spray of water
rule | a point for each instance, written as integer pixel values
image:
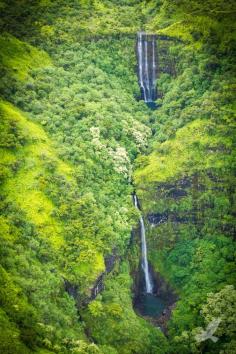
(146, 48)
(147, 275)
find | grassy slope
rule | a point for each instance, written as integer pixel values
(26, 154)
(18, 57)
(23, 188)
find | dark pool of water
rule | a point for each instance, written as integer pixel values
(151, 105)
(150, 305)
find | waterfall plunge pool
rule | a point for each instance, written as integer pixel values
(154, 299)
(147, 304)
(150, 305)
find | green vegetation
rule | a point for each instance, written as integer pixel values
(18, 57)
(74, 139)
(111, 320)
(188, 178)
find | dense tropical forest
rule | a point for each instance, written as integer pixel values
(77, 141)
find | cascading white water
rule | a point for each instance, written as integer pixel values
(146, 49)
(154, 67)
(147, 275)
(140, 65)
(146, 66)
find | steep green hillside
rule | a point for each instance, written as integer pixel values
(18, 57)
(32, 237)
(75, 143)
(66, 188)
(187, 183)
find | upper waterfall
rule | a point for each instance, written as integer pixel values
(147, 60)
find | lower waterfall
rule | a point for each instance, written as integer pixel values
(147, 274)
(154, 299)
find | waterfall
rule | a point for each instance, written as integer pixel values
(140, 65)
(147, 275)
(146, 51)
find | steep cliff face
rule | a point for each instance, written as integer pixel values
(186, 185)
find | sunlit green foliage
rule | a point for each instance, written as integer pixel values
(66, 177)
(111, 320)
(188, 179)
(70, 133)
(18, 57)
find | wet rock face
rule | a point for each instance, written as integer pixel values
(73, 290)
(110, 261)
(162, 289)
(190, 200)
(174, 192)
(98, 287)
(158, 218)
